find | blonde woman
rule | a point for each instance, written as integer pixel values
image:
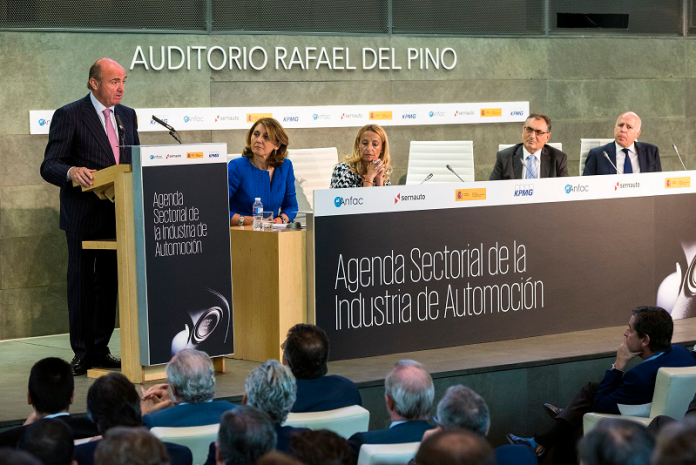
(369, 165)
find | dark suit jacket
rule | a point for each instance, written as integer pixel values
(81, 428)
(553, 163)
(325, 393)
(515, 454)
(648, 159)
(77, 138)
(207, 413)
(637, 385)
(179, 455)
(411, 431)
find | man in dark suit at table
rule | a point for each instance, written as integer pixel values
(541, 160)
(626, 156)
(85, 137)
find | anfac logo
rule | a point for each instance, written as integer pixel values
(315, 116)
(152, 157)
(193, 119)
(524, 190)
(436, 113)
(44, 122)
(340, 201)
(577, 188)
(186, 119)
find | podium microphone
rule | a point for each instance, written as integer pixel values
(172, 131)
(427, 178)
(606, 155)
(121, 130)
(524, 163)
(453, 172)
(674, 146)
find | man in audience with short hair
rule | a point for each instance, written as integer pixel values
(616, 442)
(455, 447)
(322, 447)
(50, 393)
(17, 457)
(191, 379)
(245, 435)
(306, 352)
(408, 395)
(676, 444)
(130, 446)
(49, 440)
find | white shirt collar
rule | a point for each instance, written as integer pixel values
(537, 154)
(631, 148)
(98, 105)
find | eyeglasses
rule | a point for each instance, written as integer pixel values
(536, 132)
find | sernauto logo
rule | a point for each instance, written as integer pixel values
(321, 116)
(408, 198)
(462, 195)
(436, 114)
(352, 116)
(347, 201)
(194, 154)
(380, 115)
(460, 113)
(291, 118)
(524, 190)
(408, 116)
(174, 155)
(254, 117)
(193, 119)
(44, 122)
(676, 183)
(576, 188)
(214, 155)
(226, 118)
(626, 185)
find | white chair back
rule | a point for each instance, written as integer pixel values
(344, 421)
(196, 438)
(585, 146)
(232, 156)
(556, 145)
(313, 168)
(387, 454)
(427, 157)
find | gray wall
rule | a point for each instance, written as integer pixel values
(582, 83)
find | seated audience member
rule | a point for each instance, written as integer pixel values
(271, 388)
(17, 457)
(676, 445)
(408, 395)
(306, 352)
(112, 401)
(626, 156)
(455, 447)
(50, 393)
(130, 446)
(321, 447)
(616, 442)
(191, 379)
(462, 408)
(277, 458)
(245, 435)
(49, 440)
(370, 163)
(648, 336)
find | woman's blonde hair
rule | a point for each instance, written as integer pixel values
(354, 161)
(277, 135)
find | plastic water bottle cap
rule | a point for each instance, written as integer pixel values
(258, 199)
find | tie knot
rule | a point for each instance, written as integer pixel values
(625, 151)
(107, 112)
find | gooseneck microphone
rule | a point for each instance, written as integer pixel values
(172, 132)
(606, 155)
(524, 163)
(674, 146)
(427, 178)
(121, 130)
(454, 173)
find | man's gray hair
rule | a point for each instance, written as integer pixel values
(272, 389)
(411, 388)
(462, 407)
(191, 374)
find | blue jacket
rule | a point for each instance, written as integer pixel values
(648, 159)
(325, 393)
(207, 413)
(410, 431)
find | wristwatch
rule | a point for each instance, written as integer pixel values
(241, 220)
(613, 367)
(284, 219)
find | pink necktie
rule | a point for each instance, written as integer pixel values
(113, 138)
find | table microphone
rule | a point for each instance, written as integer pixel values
(524, 163)
(172, 132)
(674, 146)
(609, 160)
(454, 173)
(427, 178)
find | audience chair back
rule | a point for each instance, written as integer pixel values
(344, 421)
(196, 438)
(674, 390)
(427, 157)
(586, 145)
(387, 454)
(313, 168)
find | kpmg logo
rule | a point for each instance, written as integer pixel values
(214, 155)
(44, 122)
(517, 113)
(408, 198)
(291, 118)
(436, 114)
(524, 190)
(626, 185)
(408, 116)
(193, 119)
(347, 201)
(578, 188)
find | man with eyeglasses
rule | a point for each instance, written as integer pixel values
(532, 158)
(624, 155)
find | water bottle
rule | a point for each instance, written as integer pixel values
(257, 208)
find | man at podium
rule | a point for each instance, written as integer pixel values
(86, 136)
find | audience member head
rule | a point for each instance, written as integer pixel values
(271, 388)
(191, 377)
(536, 132)
(627, 129)
(245, 435)
(113, 401)
(655, 323)
(130, 446)
(616, 442)
(270, 130)
(17, 457)
(322, 447)
(676, 444)
(277, 458)
(49, 440)
(306, 351)
(409, 391)
(455, 447)
(461, 407)
(371, 143)
(51, 386)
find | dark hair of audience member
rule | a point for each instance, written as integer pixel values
(51, 385)
(616, 442)
(322, 447)
(306, 351)
(455, 447)
(17, 457)
(277, 458)
(130, 446)
(113, 401)
(245, 435)
(49, 440)
(656, 322)
(676, 444)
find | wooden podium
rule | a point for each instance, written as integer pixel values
(115, 184)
